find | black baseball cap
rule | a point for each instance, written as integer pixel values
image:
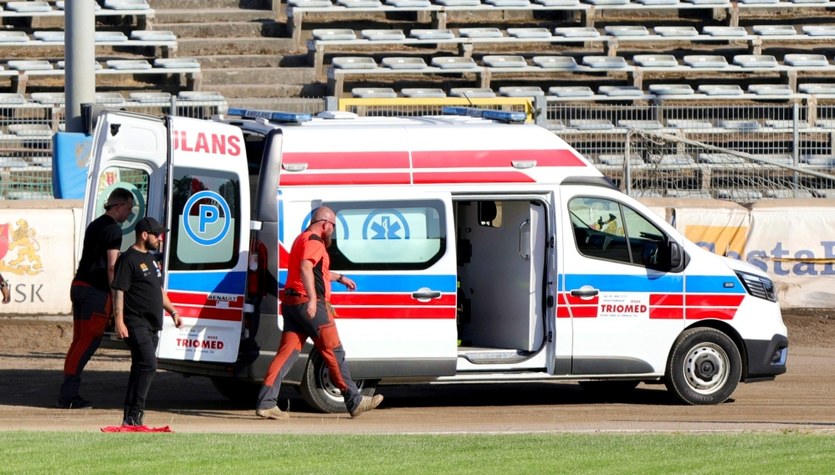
(150, 225)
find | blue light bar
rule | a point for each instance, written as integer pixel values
(490, 114)
(272, 116)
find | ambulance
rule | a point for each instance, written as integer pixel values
(484, 250)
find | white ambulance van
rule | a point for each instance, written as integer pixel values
(483, 251)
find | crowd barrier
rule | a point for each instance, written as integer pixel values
(792, 240)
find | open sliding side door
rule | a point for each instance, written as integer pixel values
(206, 251)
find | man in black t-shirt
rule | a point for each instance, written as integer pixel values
(138, 302)
(90, 293)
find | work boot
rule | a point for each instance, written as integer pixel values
(77, 402)
(368, 403)
(272, 413)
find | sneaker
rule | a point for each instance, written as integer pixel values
(77, 402)
(272, 413)
(368, 403)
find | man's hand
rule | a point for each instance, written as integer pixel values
(176, 317)
(121, 329)
(311, 309)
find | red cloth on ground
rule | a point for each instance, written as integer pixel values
(135, 429)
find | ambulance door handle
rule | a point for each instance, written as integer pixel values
(525, 239)
(585, 291)
(425, 294)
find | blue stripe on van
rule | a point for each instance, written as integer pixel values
(209, 282)
(626, 283)
(385, 282)
(714, 284)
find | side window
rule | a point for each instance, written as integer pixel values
(134, 180)
(606, 229)
(390, 235)
(204, 226)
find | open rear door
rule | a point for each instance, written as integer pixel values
(206, 251)
(129, 151)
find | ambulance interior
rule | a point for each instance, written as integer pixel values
(502, 264)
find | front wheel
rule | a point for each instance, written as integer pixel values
(318, 390)
(704, 367)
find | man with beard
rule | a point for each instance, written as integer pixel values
(138, 302)
(308, 314)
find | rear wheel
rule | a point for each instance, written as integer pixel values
(704, 367)
(318, 390)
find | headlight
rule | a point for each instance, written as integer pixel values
(760, 287)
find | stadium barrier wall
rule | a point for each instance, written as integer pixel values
(792, 240)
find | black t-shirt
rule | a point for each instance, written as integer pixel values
(139, 276)
(102, 235)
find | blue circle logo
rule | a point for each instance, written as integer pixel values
(209, 213)
(385, 224)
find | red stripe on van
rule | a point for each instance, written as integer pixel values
(348, 160)
(704, 313)
(666, 313)
(493, 158)
(356, 298)
(210, 313)
(584, 311)
(666, 299)
(424, 178)
(714, 300)
(309, 179)
(397, 313)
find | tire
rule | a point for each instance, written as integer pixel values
(243, 393)
(609, 390)
(704, 367)
(318, 390)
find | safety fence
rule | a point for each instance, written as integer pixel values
(738, 152)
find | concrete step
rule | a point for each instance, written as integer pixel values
(252, 93)
(240, 61)
(209, 15)
(228, 29)
(230, 46)
(234, 76)
(196, 5)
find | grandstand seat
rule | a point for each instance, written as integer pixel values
(521, 91)
(719, 159)
(720, 89)
(671, 89)
(472, 92)
(504, 61)
(565, 63)
(201, 96)
(29, 7)
(459, 3)
(620, 91)
(558, 3)
(724, 31)
(29, 64)
(480, 32)
(607, 2)
(676, 31)
(705, 61)
(576, 32)
(529, 32)
(177, 63)
(13, 36)
(382, 35)
(629, 30)
(785, 124)
(657, 2)
(770, 89)
(618, 159)
(113, 99)
(675, 160)
(126, 4)
(48, 98)
(689, 124)
(333, 34)
(805, 60)
(759, 2)
(432, 34)
(133, 64)
(774, 30)
(590, 124)
(453, 62)
(364, 4)
(353, 62)
(30, 130)
(508, 3)
(396, 62)
(755, 61)
(62, 65)
(422, 92)
(373, 92)
(153, 35)
(310, 3)
(640, 124)
(605, 62)
(818, 30)
(571, 91)
(706, 2)
(741, 125)
(11, 98)
(655, 60)
(149, 97)
(815, 88)
(409, 3)
(805, 2)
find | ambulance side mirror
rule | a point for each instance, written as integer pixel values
(676, 255)
(663, 255)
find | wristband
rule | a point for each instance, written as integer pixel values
(341, 276)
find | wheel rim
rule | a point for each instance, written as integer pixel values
(706, 368)
(324, 382)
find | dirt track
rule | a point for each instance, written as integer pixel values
(31, 358)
